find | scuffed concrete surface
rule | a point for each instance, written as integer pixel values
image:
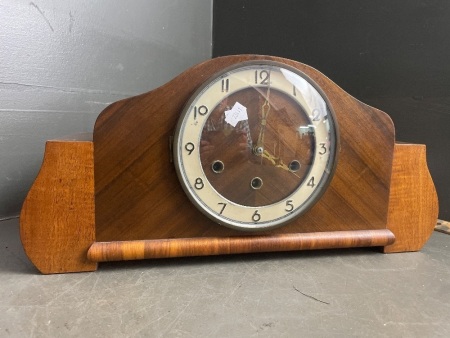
(357, 292)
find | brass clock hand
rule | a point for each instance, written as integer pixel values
(276, 161)
(265, 108)
(264, 112)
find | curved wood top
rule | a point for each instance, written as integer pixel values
(137, 193)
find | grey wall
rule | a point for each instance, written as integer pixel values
(62, 62)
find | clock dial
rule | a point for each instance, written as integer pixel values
(256, 146)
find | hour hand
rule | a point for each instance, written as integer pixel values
(276, 161)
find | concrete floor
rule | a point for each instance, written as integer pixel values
(330, 293)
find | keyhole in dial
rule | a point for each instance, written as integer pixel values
(294, 166)
(217, 166)
(256, 183)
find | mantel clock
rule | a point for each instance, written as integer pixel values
(238, 154)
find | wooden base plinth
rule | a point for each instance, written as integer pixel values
(184, 247)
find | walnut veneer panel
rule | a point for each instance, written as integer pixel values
(138, 196)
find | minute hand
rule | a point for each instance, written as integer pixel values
(260, 142)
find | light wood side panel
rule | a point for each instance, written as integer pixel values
(413, 204)
(57, 222)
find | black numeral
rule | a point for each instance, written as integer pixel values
(225, 85)
(323, 149)
(256, 216)
(294, 91)
(262, 77)
(202, 110)
(199, 183)
(289, 206)
(189, 147)
(311, 183)
(223, 207)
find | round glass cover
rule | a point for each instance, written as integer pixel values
(256, 145)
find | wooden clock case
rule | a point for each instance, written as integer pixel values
(114, 195)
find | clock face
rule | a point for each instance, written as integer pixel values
(255, 146)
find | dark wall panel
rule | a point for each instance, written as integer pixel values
(394, 55)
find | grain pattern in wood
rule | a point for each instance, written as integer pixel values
(138, 196)
(183, 247)
(57, 221)
(424, 119)
(234, 147)
(142, 212)
(413, 205)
